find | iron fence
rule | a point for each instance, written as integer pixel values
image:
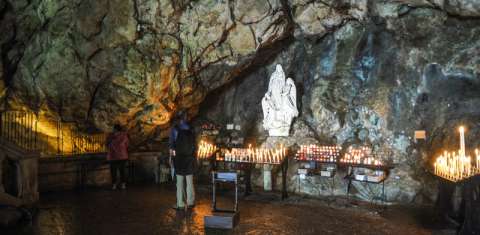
(19, 128)
(47, 135)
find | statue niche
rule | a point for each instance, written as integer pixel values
(279, 104)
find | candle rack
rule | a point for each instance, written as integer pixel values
(245, 158)
(364, 157)
(323, 154)
(454, 167)
(273, 156)
(457, 166)
(355, 159)
(206, 150)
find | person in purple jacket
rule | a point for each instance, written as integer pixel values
(117, 156)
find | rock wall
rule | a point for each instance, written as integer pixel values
(373, 81)
(133, 62)
(366, 71)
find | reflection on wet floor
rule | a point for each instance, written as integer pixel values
(148, 210)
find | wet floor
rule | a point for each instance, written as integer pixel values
(148, 210)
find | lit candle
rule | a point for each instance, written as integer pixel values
(462, 141)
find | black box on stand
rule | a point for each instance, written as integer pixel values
(224, 219)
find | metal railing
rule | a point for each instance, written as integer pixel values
(19, 128)
(93, 143)
(47, 136)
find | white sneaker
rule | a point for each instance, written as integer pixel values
(114, 187)
(123, 186)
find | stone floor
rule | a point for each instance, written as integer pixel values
(147, 210)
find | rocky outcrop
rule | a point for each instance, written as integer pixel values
(366, 71)
(463, 8)
(372, 82)
(135, 62)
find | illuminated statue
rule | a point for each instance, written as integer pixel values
(279, 104)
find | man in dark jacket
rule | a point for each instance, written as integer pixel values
(182, 149)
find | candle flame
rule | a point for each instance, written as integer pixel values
(255, 155)
(318, 153)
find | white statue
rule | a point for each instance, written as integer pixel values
(279, 104)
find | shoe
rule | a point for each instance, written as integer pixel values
(123, 186)
(114, 187)
(191, 206)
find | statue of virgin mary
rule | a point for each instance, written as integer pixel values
(279, 104)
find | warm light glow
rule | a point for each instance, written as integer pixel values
(56, 137)
(455, 166)
(313, 152)
(254, 155)
(361, 156)
(205, 149)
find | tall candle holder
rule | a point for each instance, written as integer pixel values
(453, 166)
(456, 166)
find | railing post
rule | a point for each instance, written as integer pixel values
(24, 130)
(1, 124)
(61, 137)
(71, 139)
(14, 123)
(36, 132)
(58, 139)
(7, 136)
(30, 125)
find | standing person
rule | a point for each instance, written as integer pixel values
(182, 148)
(117, 143)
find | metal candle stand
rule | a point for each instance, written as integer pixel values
(247, 166)
(221, 218)
(318, 159)
(283, 167)
(468, 216)
(351, 177)
(224, 177)
(319, 156)
(321, 163)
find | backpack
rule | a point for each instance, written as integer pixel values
(185, 143)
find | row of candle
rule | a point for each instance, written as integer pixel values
(318, 153)
(254, 155)
(456, 166)
(205, 149)
(453, 166)
(362, 155)
(306, 152)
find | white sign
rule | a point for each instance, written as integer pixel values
(279, 104)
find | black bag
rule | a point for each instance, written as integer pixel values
(184, 161)
(185, 142)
